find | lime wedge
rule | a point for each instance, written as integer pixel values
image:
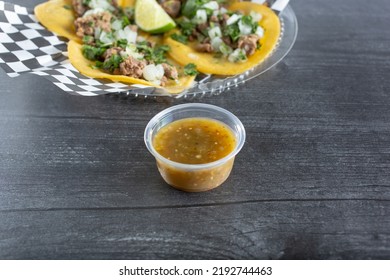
(151, 17)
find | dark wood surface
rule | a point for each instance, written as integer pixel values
(312, 181)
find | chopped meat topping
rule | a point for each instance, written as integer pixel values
(86, 25)
(225, 17)
(172, 7)
(89, 40)
(164, 80)
(79, 7)
(228, 41)
(194, 35)
(114, 3)
(214, 18)
(133, 27)
(206, 47)
(132, 67)
(202, 26)
(111, 51)
(248, 43)
(169, 71)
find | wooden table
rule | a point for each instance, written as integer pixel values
(312, 181)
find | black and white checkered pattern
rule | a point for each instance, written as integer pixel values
(27, 47)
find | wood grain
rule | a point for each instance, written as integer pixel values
(312, 181)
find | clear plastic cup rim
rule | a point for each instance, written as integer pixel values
(239, 132)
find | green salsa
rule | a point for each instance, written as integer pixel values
(194, 141)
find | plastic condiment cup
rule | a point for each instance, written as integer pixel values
(194, 177)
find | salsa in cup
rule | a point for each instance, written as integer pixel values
(194, 145)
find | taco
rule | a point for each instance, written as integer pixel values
(223, 41)
(105, 43)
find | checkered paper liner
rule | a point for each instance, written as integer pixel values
(28, 47)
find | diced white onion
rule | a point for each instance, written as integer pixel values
(256, 17)
(141, 39)
(160, 71)
(225, 49)
(223, 10)
(212, 5)
(259, 31)
(106, 38)
(123, 54)
(244, 28)
(200, 17)
(127, 33)
(97, 33)
(131, 36)
(215, 32)
(216, 43)
(103, 4)
(132, 47)
(131, 50)
(93, 12)
(120, 34)
(153, 73)
(116, 25)
(238, 55)
(233, 19)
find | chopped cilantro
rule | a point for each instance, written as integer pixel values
(191, 6)
(143, 45)
(86, 2)
(125, 21)
(241, 56)
(180, 38)
(156, 54)
(121, 43)
(232, 31)
(92, 53)
(186, 27)
(112, 63)
(190, 69)
(67, 7)
(225, 49)
(129, 13)
(87, 39)
(209, 12)
(248, 20)
(98, 65)
(99, 43)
